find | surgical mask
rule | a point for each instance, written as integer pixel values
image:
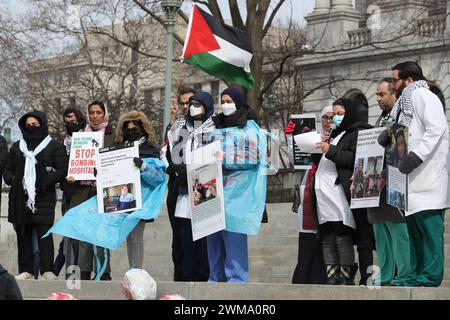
(337, 120)
(228, 108)
(195, 111)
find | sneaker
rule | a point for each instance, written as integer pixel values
(25, 276)
(49, 275)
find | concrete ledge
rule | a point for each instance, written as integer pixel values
(90, 290)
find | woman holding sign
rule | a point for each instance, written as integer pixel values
(135, 126)
(98, 121)
(332, 187)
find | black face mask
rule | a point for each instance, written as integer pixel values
(32, 129)
(133, 134)
(72, 127)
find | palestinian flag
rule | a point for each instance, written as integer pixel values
(220, 50)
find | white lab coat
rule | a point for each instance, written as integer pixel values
(428, 139)
(332, 205)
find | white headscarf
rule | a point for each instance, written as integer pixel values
(325, 111)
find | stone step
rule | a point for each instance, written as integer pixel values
(232, 291)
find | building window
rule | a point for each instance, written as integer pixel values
(198, 87)
(148, 98)
(162, 93)
(44, 79)
(58, 78)
(73, 102)
(215, 91)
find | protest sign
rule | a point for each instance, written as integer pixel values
(303, 123)
(118, 179)
(367, 174)
(83, 154)
(205, 185)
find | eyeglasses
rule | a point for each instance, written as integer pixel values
(395, 80)
(325, 118)
(184, 103)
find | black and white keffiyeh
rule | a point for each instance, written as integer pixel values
(402, 112)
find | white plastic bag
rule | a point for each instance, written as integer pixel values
(137, 284)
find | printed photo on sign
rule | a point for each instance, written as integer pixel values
(367, 170)
(397, 184)
(119, 198)
(203, 191)
(303, 123)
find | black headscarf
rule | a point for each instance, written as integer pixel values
(351, 116)
(34, 139)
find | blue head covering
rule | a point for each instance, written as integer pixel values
(237, 95)
(206, 100)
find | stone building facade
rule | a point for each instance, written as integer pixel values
(353, 47)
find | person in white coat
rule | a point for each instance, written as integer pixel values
(421, 110)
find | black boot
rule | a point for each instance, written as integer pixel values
(105, 277)
(348, 274)
(334, 276)
(85, 275)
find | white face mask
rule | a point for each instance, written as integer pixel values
(228, 108)
(195, 111)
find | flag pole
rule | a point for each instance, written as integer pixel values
(170, 8)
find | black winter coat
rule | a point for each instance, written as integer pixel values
(54, 159)
(9, 290)
(343, 155)
(3, 153)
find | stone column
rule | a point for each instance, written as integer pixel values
(342, 4)
(322, 6)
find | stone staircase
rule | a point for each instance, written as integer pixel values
(272, 253)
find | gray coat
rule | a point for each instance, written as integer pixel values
(384, 212)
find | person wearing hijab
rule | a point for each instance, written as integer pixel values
(310, 267)
(228, 251)
(135, 126)
(332, 187)
(97, 120)
(195, 254)
(33, 166)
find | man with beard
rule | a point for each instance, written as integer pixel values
(179, 109)
(421, 111)
(389, 225)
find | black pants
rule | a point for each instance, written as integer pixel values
(363, 236)
(61, 258)
(195, 259)
(177, 247)
(310, 267)
(25, 248)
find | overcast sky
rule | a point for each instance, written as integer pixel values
(300, 7)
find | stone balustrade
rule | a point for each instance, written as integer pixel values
(359, 37)
(432, 26)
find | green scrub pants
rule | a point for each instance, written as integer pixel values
(426, 229)
(393, 250)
